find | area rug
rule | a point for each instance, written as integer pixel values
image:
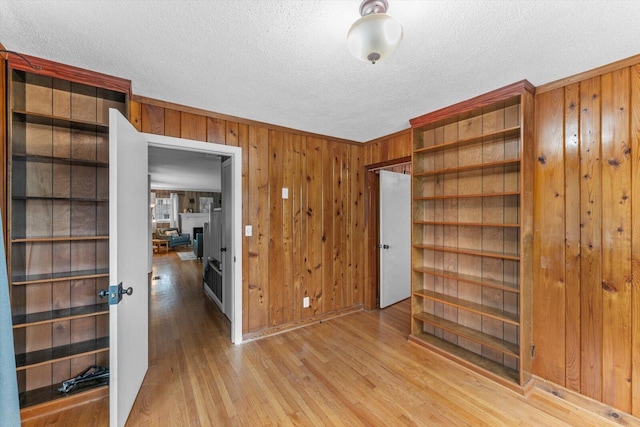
(186, 256)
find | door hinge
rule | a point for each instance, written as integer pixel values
(533, 350)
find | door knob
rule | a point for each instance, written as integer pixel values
(103, 292)
(115, 293)
(381, 246)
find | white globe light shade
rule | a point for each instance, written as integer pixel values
(374, 37)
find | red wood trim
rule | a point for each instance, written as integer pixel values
(387, 163)
(479, 101)
(68, 72)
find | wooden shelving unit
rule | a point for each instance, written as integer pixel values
(472, 233)
(58, 221)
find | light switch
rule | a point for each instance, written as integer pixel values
(285, 193)
(248, 231)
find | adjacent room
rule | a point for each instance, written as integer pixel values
(316, 212)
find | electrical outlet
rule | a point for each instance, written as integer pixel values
(248, 231)
(305, 302)
(285, 193)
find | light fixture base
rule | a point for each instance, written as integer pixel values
(373, 6)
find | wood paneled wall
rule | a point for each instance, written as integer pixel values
(310, 244)
(586, 306)
(388, 148)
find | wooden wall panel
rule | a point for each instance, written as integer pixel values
(616, 240)
(216, 132)
(276, 219)
(232, 132)
(242, 132)
(357, 228)
(572, 235)
(172, 125)
(587, 307)
(302, 206)
(339, 157)
(289, 232)
(152, 119)
(548, 248)
(135, 115)
(315, 224)
(590, 242)
(635, 244)
(307, 245)
(400, 146)
(193, 126)
(258, 292)
(388, 148)
(327, 238)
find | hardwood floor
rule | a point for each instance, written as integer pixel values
(355, 370)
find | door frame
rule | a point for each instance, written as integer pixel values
(371, 225)
(235, 153)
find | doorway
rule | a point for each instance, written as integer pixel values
(234, 199)
(395, 235)
(372, 225)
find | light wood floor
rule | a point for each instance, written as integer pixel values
(356, 370)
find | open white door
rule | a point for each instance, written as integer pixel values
(395, 237)
(128, 243)
(227, 238)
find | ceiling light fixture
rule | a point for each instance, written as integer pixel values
(375, 35)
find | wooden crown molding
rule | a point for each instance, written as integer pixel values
(68, 72)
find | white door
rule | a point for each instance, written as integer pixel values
(227, 237)
(395, 237)
(128, 243)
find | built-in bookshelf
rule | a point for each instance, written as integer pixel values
(58, 221)
(472, 233)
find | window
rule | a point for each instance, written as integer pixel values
(163, 210)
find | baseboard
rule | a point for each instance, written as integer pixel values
(300, 323)
(585, 403)
(64, 403)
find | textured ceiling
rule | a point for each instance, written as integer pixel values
(285, 62)
(184, 170)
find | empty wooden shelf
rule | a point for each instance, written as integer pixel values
(472, 233)
(58, 221)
